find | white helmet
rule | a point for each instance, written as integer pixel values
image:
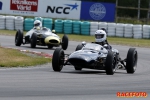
(37, 23)
(100, 36)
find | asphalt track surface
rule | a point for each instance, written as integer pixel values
(42, 83)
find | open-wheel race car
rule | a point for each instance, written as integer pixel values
(42, 37)
(95, 56)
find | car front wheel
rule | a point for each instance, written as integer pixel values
(33, 40)
(58, 59)
(110, 63)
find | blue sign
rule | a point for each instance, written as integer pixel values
(1, 4)
(98, 11)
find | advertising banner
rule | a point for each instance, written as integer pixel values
(60, 9)
(24, 5)
(98, 11)
(3, 8)
(63, 9)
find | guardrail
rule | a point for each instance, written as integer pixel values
(77, 27)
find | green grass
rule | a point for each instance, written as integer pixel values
(111, 40)
(15, 58)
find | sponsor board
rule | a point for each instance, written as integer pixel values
(24, 5)
(64, 9)
(98, 11)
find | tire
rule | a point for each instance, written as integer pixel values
(50, 46)
(33, 40)
(109, 65)
(131, 63)
(58, 59)
(65, 42)
(19, 38)
(79, 47)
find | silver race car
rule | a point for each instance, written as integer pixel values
(95, 56)
(42, 37)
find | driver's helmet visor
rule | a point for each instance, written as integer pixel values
(99, 36)
(37, 24)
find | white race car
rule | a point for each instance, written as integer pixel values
(42, 37)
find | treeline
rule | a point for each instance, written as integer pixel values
(128, 3)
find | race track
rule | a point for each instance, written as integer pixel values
(42, 83)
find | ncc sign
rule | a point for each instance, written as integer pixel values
(58, 10)
(66, 9)
(24, 5)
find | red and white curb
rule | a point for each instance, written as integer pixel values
(46, 55)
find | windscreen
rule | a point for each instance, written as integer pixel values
(90, 46)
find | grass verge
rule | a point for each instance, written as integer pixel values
(15, 58)
(111, 40)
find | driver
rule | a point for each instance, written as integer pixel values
(101, 38)
(37, 25)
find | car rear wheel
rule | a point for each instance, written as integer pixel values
(19, 38)
(65, 42)
(110, 63)
(33, 40)
(58, 59)
(131, 62)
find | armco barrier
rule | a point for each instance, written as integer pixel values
(120, 30)
(77, 27)
(19, 20)
(128, 30)
(146, 31)
(93, 27)
(137, 31)
(39, 18)
(85, 28)
(59, 25)
(2, 22)
(10, 22)
(111, 29)
(48, 22)
(68, 26)
(28, 24)
(102, 25)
